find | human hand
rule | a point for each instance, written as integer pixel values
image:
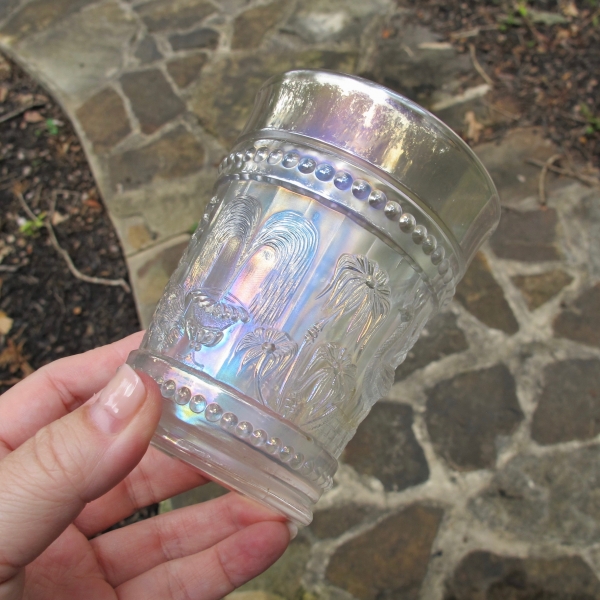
(69, 469)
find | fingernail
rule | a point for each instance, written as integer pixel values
(293, 529)
(118, 401)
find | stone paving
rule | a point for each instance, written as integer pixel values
(478, 477)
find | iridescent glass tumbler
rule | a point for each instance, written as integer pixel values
(340, 223)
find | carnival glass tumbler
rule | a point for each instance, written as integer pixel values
(340, 223)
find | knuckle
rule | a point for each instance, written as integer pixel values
(178, 586)
(166, 538)
(227, 576)
(58, 459)
(139, 488)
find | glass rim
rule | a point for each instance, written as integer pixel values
(376, 92)
(399, 140)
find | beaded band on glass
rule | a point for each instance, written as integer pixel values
(359, 188)
(308, 459)
(244, 430)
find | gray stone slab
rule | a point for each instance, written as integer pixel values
(441, 337)
(486, 575)
(580, 321)
(250, 27)
(104, 120)
(416, 62)
(538, 289)
(152, 99)
(569, 403)
(466, 415)
(185, 70)
(385, 447)
(332, 522)
(147, 51)
(79, 53)
(390, 560)
(549, 498)
(7, 7)
(36, 16)
(177, 153)
(528, 236)
(140, 215)
(482, 296)
(224, 95)
(506, 160)
(197, 38)
(159, 15)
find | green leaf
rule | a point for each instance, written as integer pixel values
(31, 227)
(590, 117)
(51, 126)
(522, 10)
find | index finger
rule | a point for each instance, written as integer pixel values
(57, 389)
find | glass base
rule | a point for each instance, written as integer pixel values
(237, 467)
(236, 443)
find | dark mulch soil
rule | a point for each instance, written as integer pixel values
(551, 72)
(54, 314)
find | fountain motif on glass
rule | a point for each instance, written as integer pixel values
(202, 307)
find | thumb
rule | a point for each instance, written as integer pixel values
(46, 482)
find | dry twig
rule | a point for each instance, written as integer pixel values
(539, 37)
(74, 270)
(587, 179)
(20, 111)
(467, 33)
(542, 179)
(478, 66)
(30, 214)
(10, 268)
(576, 118)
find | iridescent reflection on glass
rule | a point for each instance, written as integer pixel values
(308, 280)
